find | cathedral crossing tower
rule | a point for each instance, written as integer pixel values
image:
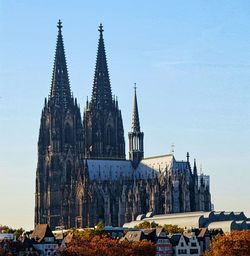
(136, 151)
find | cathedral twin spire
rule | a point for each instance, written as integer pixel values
(101, 93)
(60, 86)
(104, 135)
(102, 121)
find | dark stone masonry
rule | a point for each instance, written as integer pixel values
(82, 174)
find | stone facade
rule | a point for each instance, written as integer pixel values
(82, 175)
(102, 121)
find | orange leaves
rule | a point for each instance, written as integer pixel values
(232, 244)
(105, 246)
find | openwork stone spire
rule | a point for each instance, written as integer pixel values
(135, 137)
(101, 94)
(135, 114)
(60, 87)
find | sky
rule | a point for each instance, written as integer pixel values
(190, 60)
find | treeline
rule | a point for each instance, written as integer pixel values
(169, 229)
(236, 243)
(102, 245)
(15, 232)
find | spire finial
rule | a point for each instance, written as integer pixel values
(172, 148)
(59, 25)
(100, 28)
(135, 87)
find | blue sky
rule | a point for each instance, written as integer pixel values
(190, 60)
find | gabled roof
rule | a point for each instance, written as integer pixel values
(148, 231)
(68, 238)
(203, 232)
(40, 232)
(109, 169)
(150, 234)
(134, 236)
(148, 168)
(174, 238)
(160, 231)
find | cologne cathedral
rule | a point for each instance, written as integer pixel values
(83, 176)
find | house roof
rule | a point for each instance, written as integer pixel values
(134, 236)
(203, 232)
(40, 232)
(68, 238)
(159, 231)
(174, 238)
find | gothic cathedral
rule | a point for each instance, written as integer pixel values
(82, 174)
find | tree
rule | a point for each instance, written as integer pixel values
(15, 232)
(172, 229)
(147, 224)
(2, 228)
(231, 244)
(18, 232)
(103, 245)
(99, 228)
(143, 248)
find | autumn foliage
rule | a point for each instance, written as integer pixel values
(236, 243)
(146, 224)
(102, 245)
(172, 229)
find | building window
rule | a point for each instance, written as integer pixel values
(193, 251)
